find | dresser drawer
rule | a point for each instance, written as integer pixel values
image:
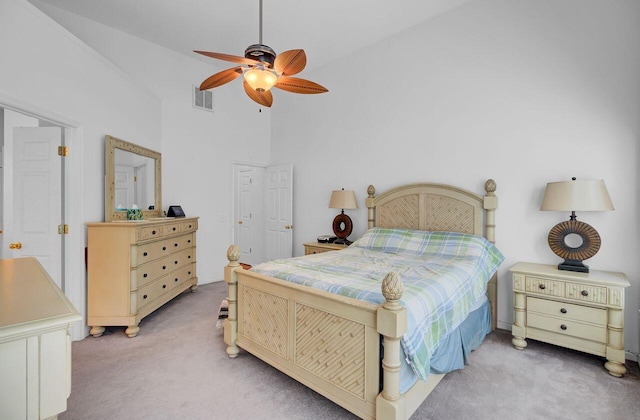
(544, 286)
(567, 327)
(190, 226)
(148, 232)
(171, 229)
(141, 254)
(586, 293)
(568, 311)
(157, 288)
(146, 273)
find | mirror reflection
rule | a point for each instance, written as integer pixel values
(134, 181)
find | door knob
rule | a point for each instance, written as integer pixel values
(288, 227)
(15, 245)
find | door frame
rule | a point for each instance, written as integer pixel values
(73, 206)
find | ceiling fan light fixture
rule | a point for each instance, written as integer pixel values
(260, 80)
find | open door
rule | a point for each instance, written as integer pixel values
(279, 222)
(33, 200)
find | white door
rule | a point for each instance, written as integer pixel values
(32, 202)
(279, 224)
(248, 213)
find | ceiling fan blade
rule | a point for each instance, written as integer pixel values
(220, 78)
(290, 62)
(228, 57)
(297, 85)
(263, 98)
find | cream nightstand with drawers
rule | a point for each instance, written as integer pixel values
(317, 247)
(581, 311)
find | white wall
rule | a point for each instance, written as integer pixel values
(47, 71)
(198, 147)
(522, 91)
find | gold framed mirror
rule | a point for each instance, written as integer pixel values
(132, 180)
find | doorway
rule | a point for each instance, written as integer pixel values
(262, 212)
(68, 198)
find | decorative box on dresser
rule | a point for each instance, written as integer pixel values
(318, 247)
(35, 345)
(135, 267)
(581, 311)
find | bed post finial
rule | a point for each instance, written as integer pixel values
(392, 290)
(231, 323)
(371, 190)
(490, 186)
(233, 255)
(392, 324)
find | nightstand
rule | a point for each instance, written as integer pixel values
(318, 247)
(580, 311)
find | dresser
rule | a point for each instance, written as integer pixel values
(318, 247)
(581, 311)
(135, 267)
(35, 345)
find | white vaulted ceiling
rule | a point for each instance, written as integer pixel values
(325, 29)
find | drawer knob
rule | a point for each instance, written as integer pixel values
(189, 272)
(145, 254)
(164, 286)
(164, 267)
(542, 286)
(144, 275)
(563, 327)
(176, 279)
(175, 244)
(164, 248)
(174, 229)
(144, 297)
(153, 232)
(189, 241)
(175, 262)
(563, 310)
(584, 293)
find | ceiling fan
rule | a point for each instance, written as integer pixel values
(262, 70)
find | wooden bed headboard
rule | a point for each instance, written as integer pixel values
(439, 207)
(435, 207)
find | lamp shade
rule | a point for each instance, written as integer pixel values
(341, 199)
(260, 80)
(577, 195)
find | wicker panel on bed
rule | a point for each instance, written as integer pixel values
(447, 214)
(259, 307)
(325, 346)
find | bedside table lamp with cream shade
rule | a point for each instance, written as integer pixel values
(342, 224)
(575, 195)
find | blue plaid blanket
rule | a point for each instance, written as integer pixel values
(444, 274)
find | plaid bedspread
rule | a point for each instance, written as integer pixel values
(444, 274)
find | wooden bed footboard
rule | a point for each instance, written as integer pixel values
(327, 342)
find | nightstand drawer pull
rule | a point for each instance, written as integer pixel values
(584, 293)
(563, 327)
(542, 286)
(563, 310)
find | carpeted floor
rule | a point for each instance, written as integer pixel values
(177, 368)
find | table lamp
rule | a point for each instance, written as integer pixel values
(575, 195)
(342, 224)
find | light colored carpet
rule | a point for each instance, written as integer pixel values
(177, 368)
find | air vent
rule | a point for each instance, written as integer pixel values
(202, 99)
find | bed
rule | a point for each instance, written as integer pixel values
(350, 350)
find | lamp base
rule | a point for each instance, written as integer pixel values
(573, 265)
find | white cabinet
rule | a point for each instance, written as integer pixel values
(35, 345)
(581, 311)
